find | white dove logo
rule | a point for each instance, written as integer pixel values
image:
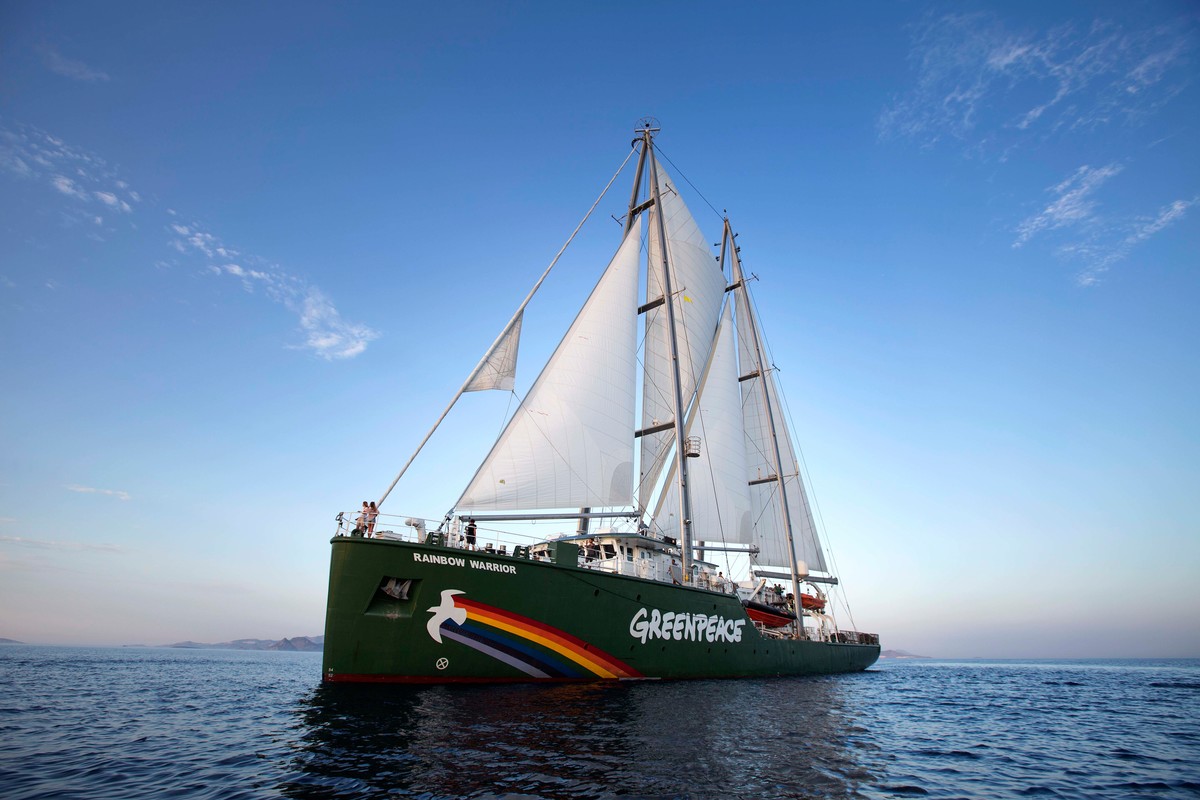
(441, 613)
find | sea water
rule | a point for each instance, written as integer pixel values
(164, 723)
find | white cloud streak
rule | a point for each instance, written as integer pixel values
(1073, 204)
(978, 82)
(1100, 255)
(91, 490)
(90, 183)
(326, 333)
(112, 201)
(70, 68)
(44, 544)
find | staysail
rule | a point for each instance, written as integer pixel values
(720, 495)
(569, 444)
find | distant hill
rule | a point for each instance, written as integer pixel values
(900, 654)
(297, 644)
(300, 643)
(9, 641)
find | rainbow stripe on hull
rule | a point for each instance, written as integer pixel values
(537, 649)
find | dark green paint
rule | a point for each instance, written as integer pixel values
(369, 636)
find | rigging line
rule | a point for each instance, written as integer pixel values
(679, 172)
(512, 394)
(520, 310)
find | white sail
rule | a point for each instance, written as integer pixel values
(770, 533)
(498, 369)
(720, 496)
(770, 536)
(570, 443)
(699, 287)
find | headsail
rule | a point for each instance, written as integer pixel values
(569, 443)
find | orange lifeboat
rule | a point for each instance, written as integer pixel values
(812, 602)
(769, 616)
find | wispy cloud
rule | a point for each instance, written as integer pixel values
(70, 68)
(91, 490)
(45, 544)
(92, 185)
(112, 201)
(329, 336)
(979, 82)
(1100, 252)
(86, 179)
(1073, 203)
(1098, 241)
(989, 89)
(326, 333)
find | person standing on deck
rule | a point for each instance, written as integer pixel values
(372, 513)
(360, 522)
(471, 534)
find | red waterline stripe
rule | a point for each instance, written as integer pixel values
(423, 679)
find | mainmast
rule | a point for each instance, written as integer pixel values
(739, 284)
(685, 505)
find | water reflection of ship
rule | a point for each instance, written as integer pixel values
(797, 737)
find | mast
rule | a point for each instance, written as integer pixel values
(739, 282)
(637, 178)
(685, 505)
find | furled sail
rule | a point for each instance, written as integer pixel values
(766, 490)
(720, 496)
(699, 287)
(498, 369)
(569, 443)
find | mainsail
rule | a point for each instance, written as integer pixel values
(699, 287)
(570, 444)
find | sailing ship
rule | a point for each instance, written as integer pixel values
(664, 459)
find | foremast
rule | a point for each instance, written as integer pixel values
(681, 472)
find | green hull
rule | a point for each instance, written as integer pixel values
(421, 613)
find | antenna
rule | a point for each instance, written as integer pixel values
(645, 124)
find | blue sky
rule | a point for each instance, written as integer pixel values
(248, 252)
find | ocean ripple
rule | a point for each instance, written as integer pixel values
(153, 723)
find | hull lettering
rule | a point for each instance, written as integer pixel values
(680, 626)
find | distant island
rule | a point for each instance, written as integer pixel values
(9, 641)
(900, 654)
(296, 644)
